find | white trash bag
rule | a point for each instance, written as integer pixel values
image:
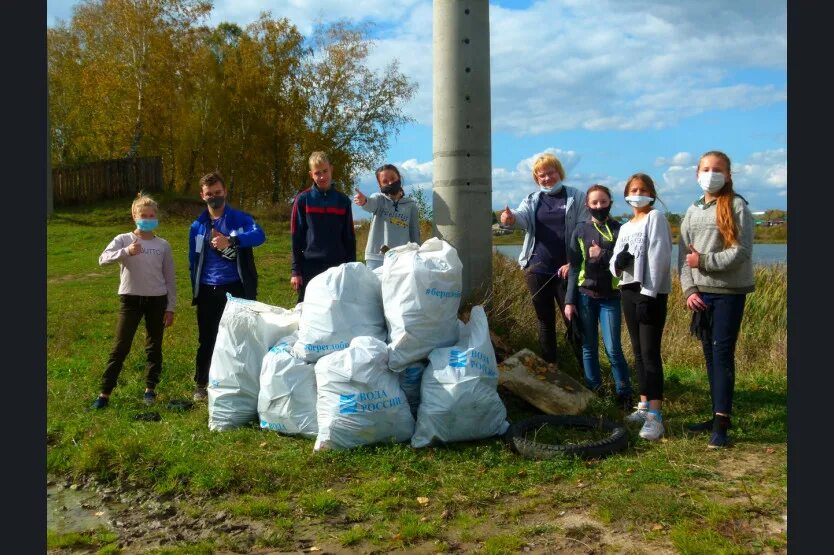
(247, 331)
(421, 290)
(458, 395)
(341, 303)
(410, 378)
(287, 399)
(360, 401)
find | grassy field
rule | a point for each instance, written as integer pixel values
(666, 497)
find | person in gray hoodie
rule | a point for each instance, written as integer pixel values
(716, 268)
(548, 217)
(395, 219)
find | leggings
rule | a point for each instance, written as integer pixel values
(645, 338)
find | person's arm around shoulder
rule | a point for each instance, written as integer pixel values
(658, 252)
(253, 235)
(575, 256)
(170, 284)
(118, 249)
(414, 224)
(741, 251)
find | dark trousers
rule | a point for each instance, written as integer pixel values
(211, 300)
(311, 270)
(546, 294)
(645, 339)
(131, 311)
(720, 349)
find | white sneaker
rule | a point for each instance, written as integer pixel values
(638, 416)
(652, 428)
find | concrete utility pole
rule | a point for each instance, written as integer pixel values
(461, 136)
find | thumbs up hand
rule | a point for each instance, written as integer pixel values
(134, 248)
(359, 199)
(623, 259)
(507, 217)
(693, 259)
(594, 250)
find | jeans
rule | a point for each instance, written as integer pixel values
(131, 311)
(720, 352)
(645, 339)
(549, 290)
(607, 313)
(211, 301)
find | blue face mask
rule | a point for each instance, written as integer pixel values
(147, 225)
(551, 190)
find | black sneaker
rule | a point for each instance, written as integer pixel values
(100, 403)
(200, 393)
(719, 438)
(705, 426)
(149, 398)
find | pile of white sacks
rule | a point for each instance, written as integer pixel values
(369, 357)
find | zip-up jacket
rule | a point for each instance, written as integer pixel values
(393, 224)
(525, 218)
(322, 229)
(592, 275)
(245, 235)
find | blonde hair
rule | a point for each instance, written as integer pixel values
(547, 160)
(319, 158)
(143, 201)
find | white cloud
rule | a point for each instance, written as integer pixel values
(589, 64)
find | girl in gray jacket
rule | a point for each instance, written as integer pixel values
(395, 219)
(716, 268)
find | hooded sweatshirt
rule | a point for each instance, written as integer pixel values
(393, 224)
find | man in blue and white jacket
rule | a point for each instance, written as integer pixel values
(548, 217)
(221, 261)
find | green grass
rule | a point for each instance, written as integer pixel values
(478, 491)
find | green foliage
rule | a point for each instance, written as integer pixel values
(424, 209)
(150, 78)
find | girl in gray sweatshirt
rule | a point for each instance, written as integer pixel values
(642, 259)
(395, 219)
(716, 268)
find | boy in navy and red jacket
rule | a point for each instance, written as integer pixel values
(321, 227)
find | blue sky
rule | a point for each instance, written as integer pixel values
(612, 87)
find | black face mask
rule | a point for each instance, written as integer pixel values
(600, 214)
(391, 188)
(216, 202)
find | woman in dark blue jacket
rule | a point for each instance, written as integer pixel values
(593, 296)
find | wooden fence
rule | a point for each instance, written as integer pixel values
(106, 179)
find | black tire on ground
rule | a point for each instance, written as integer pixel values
(616, 441)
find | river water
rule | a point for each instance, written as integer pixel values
(763, 253)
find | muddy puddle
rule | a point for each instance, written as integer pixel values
(75, 510)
